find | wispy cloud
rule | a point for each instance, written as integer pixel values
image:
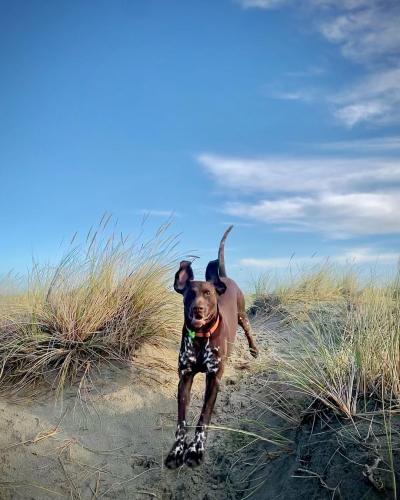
(299, 94)
(363, 29)
(343, 4)
(376, 98)
(363, 255)
(340, 197)
(305, 174)
(158, 213)
(261, 4)
(335, 215)
(381, 144)
(366, 255)
(291, 96)
(366, 32)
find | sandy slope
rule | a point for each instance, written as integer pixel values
(110, 442)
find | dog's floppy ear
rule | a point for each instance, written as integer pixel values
(183, 275)
(212, 274)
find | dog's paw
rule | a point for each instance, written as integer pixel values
(254, 351)
(175, 456)
(194, 455)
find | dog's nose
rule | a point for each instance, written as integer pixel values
(198, 310)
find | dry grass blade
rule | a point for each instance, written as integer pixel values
(277, 439)
(40, 437)
(15, 485)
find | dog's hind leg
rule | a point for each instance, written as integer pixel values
(175, 456)
(244, 322)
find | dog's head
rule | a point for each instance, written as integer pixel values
(200, 298)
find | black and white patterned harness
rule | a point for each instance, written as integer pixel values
(205, 359)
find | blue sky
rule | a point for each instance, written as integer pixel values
(280, 116)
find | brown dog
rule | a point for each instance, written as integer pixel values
(213, 309)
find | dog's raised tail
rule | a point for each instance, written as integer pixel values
(221, 253)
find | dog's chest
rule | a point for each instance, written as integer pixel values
(198, 358)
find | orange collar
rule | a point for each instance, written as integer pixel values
(192, 333)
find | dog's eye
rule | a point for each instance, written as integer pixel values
(207, 293)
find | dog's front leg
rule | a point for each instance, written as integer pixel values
(175, 456)
(194, 453)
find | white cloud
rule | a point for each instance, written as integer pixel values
(306, 95)
(343, 4)
(336, 215)
(376, 98)
(382, 144)
(276, 262)
(365, 31)
(355, 113)
(363, 255)
(340, 197)
(366, 255)
(301, 174)
(368, 33)
(261, 4)
(290, 96)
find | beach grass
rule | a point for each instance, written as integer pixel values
(343, 355)
(345, 347)
(103, 300)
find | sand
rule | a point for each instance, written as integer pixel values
(109, 439)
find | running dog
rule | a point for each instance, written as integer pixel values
(212, 309)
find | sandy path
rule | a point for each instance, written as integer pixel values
(111, 441)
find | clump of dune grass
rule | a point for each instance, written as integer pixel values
(345, 343)
(343, 352)
(347, 354)
(304, 290)
(101, 302)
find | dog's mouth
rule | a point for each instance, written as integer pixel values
(197, 320)
(198, 323)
